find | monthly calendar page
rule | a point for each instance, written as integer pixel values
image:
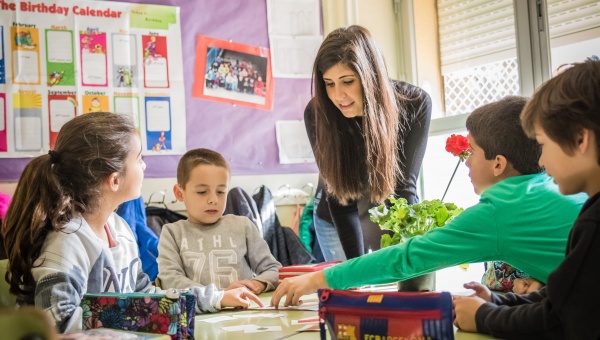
(60, 59)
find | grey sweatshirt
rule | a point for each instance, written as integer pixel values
(218, 254)
(74, 261)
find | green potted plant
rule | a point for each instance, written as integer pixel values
(409, 220)
(405, 220)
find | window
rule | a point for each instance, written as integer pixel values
(574, 30)
(478, 64)
(477, 53)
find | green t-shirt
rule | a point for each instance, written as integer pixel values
(522, 220)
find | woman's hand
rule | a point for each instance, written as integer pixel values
(294, 287)
(239, 297)
(526, 285)
(481, 291)
(255, 286)
(464, 311)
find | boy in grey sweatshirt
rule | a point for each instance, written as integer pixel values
(209, 249)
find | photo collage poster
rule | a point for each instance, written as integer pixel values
(233, 73)
(61, 59)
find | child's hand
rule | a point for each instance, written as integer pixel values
(481, 291)
(261, 286)
(239, 297)
(526, 285)
(255, 286)
(292, 288)
(464, 311)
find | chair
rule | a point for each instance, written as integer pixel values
(285, 245)
(6, 299)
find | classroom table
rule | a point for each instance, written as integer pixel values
(210, 331)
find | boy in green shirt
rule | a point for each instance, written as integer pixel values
(564, 117)
(521, 217)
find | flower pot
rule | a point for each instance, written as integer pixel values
(421, 283)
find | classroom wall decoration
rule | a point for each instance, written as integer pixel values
(233, 73)
(60, 59)
(246, 136)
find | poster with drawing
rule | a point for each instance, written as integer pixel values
(233, 73)
(60, 59)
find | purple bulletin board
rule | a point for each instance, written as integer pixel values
(245, 136)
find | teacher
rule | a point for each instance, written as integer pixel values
(368, 134)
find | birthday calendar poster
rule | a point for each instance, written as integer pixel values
(63, 58)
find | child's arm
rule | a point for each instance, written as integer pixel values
(481, 291)
(260, 259)
(562, 309)
(255, 286)
(239, 297)
(62, 277)
(526, 285)
(59, 294)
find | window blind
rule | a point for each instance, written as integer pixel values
(477, 32)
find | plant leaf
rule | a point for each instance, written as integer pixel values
(406, 221)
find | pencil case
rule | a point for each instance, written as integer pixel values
(385, 315)
(170, 313)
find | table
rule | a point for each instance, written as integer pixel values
(210, 331)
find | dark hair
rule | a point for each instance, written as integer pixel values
(347, 151)
(496, 128)
(56, 187)
(566, 104)
(195, 157)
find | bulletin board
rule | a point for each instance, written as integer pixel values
(61, 59)
(245, 136)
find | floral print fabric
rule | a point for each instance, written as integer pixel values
(152, 313)
(499, 276)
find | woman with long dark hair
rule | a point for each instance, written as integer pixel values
(368, 133)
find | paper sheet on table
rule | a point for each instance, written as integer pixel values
(263, 329)
(258, 315)
(293, 143)
(238, 328)
(217, 319)
(312, 306)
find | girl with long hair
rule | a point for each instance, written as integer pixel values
(62, 235)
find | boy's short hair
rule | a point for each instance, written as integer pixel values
(496, 128)
(195, 157)
(566, 104)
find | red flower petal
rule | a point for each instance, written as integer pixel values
(457, 144)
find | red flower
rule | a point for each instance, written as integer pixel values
(159, 323)
(459, 146)
(106, 300)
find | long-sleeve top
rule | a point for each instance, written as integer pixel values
(74, 261)
(522, 220)
(567, 307)
(351, 219)
(214, 255)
